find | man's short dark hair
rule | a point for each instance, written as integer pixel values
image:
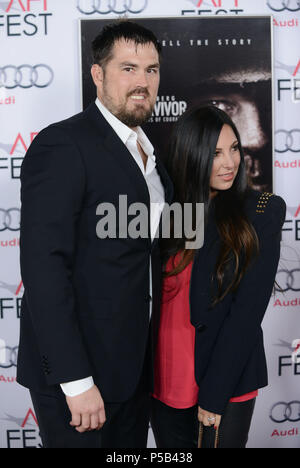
(103, 44)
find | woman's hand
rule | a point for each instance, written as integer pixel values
(209, 419)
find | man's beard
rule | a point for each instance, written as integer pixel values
(134, 118)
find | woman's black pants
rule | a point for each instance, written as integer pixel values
(179, 428)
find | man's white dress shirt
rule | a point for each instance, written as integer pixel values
(157, 200)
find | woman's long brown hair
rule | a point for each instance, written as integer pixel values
(191, 153)
(239, 246)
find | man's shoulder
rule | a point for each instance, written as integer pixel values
(75, 121)
(74, 128)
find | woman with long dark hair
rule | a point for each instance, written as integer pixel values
(210, 359)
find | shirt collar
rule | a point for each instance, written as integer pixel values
(124, 132)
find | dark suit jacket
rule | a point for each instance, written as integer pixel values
(229, 352)
(85, 309)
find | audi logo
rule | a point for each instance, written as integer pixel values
(26, 76)
(10, 356)
(10, 219)
(282, 5)
(285, 412)
(288, 280)
(119, 7)
(288, 140)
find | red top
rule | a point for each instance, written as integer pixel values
(175, 383)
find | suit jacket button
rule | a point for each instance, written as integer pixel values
(200, 328)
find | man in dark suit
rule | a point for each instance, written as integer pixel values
(91, 302)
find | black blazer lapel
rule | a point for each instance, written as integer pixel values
(120, 153)
(166, 181)
(169, 192)
(122, 156)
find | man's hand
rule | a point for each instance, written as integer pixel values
(87, 410)
(209, 419)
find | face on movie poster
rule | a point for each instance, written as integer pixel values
(225, 62)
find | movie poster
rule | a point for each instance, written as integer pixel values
(222, 61)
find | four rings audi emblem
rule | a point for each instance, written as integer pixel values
(288, 140)
(282, 5)
(285, 412)
(26, 76)
(9, 357)
(288, 280)
(10, 219)
(105, 7)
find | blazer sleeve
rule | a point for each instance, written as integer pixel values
(242, 326)
(52, 191)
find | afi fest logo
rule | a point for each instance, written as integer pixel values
(11, 306)
(24, 18)
(12, 155)
(296, 352)
(217, 7)
(25, 432)
(292, 223)
(291, 84)
(289, 362)
(106, 7)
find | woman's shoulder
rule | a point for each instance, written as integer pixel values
(265, 207)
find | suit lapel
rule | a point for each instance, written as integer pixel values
(118, 151)
(166, 181)
(168, 187)
(112, 143)
(125, 160)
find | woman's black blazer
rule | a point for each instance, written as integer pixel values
(229, 350)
